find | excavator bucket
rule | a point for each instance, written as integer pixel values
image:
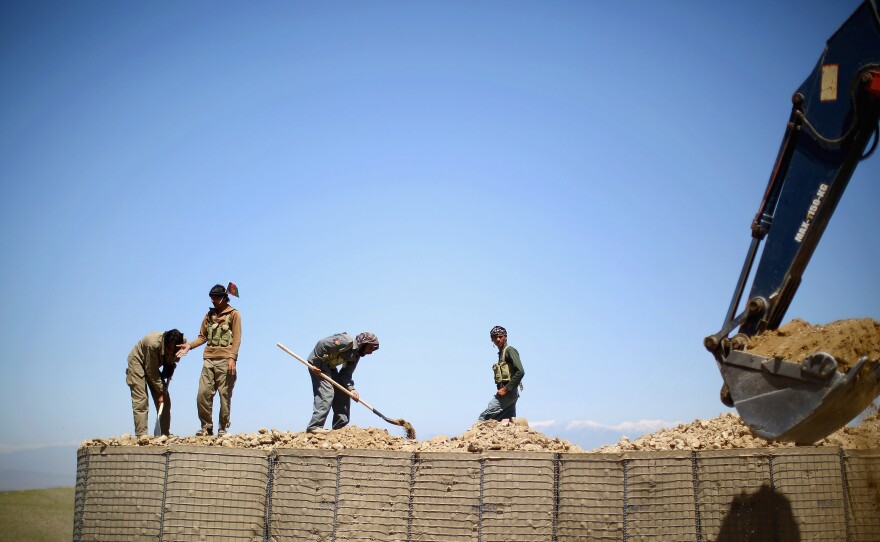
(834, 117)
(782, 400)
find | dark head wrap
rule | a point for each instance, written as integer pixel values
(497, 331)
(219, 290)
(367, 338)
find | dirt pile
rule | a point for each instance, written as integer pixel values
(724, 432)
(493, 435)
(483, 436)
(728, 432)
(846, 340)
(859, 437)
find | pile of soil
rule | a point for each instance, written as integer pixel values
(493, 435)
(725, 432)
(483, 436)
(846, 340)
(728, 432)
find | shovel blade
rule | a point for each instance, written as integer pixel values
(157, 429)
(786, 408)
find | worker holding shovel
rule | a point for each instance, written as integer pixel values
(145, 361)
(336, 357)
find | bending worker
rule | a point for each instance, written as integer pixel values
(337, 357)
(509, 373)
(221, 329)
(152, 358)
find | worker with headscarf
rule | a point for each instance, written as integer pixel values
(221, 330)
(337, 357)
(509, 373)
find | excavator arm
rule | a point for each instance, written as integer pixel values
(833, 126)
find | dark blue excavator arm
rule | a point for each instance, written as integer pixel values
(833, 126)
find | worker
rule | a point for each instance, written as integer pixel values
(151, 359)
(509, 373)
(336, 357)
(221, 329)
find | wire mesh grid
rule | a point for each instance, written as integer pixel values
(810, 485)
(79, 500)
(373, 496)
(733, 492)
(660, 498)
(518, 492)
(863, 479)
(216, 494)
(198, 493)
(445, 497)
(303, 496)
(121, 495)
(590, 498)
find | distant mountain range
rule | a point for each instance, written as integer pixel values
(40, 468)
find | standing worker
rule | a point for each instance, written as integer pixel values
(509, 373)
(151, 359)
(221, 329)
(337, 357)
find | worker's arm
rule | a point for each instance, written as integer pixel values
(518, 373)
(151, 369)
(197, 342)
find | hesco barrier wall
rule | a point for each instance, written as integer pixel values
(183, 493)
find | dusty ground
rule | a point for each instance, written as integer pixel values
(483, 436)
(846, 340)
(724, 432)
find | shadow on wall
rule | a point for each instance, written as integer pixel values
(762, 516)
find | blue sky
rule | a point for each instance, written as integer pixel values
(582, 173)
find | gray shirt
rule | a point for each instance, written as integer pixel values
(333, 351)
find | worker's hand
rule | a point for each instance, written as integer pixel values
(231, 366)
(314, 369)
(160, 399)
(356, 396)
(182, 349)
(502, 392)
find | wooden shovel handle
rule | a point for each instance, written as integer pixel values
(336, 384)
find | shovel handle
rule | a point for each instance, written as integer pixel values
(162, 404)
(336, 384)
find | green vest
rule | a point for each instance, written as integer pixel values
(502, 368)
(219, 332)
(337, 359)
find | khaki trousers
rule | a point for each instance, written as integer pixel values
(215, 378)
(136, 379)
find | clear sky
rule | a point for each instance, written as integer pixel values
(582, 173)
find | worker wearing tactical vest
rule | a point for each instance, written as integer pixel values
(221, 330)
(150, 363)
(336, 356)
(508, 373)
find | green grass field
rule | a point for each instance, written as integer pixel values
(37, 515)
